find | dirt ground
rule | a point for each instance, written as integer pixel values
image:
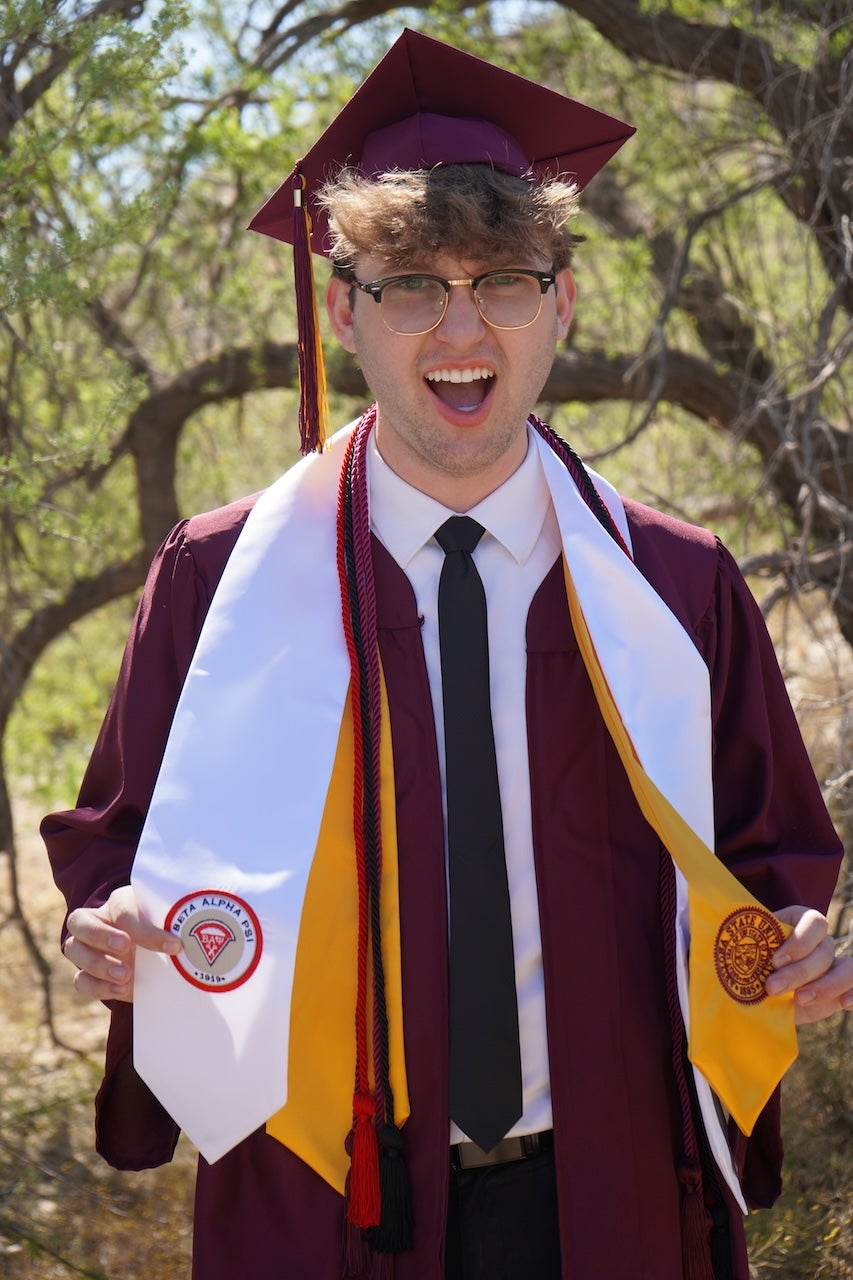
(63, 1212)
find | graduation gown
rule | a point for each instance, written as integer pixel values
(606, 902)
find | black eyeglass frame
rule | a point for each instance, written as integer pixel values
(375, 289)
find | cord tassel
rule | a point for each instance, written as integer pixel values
(695, 1244)
(363, 1206)
(394, 1233)
(382, 1266)
(355, 1255)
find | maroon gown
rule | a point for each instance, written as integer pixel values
(606, 901)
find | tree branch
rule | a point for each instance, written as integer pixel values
(45, 624)
(110, 329)
(725, 53)
(812, 110)
(278, 47)
(60, 52)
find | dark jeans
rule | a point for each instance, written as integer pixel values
(502, 1222)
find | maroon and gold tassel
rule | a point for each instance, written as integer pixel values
(313, 403)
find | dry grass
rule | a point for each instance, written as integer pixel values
(809, 1233)
(63, 1212)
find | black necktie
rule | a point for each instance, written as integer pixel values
(485, 1060)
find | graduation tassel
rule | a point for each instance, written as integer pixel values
(356, 1259)
(382, 1266)
(355, 1254)
(313, 403)
(695, 1247)
(394, 1233)
(363, 1206)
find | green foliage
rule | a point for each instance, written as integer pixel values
(78, 198)
(126, 200)
(56, 720)
(74, 178)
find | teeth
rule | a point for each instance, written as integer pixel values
(458, 375)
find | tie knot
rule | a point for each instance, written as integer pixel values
(459, 533)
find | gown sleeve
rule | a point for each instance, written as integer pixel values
(772, 826)
(91, 847)
(773, 829)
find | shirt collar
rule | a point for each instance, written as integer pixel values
(404, 519)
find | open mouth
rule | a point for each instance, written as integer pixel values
(461, 389)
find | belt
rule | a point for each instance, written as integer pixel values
(467, 1155)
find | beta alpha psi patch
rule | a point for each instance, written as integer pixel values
(221, 939)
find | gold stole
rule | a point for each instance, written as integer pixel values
(741, 1039)
(317, 1116)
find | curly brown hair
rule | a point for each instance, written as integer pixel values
(466, 210)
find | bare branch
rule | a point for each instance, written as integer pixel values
(279, 46)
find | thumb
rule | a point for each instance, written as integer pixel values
(126, 914)
(147, 935)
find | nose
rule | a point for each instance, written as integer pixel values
(461, 322)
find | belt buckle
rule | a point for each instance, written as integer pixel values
(470, 1156)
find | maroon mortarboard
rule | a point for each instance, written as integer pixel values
(426, 104)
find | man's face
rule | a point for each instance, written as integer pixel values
(455, 440)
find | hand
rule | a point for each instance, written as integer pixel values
(806, 964)
(102, 942)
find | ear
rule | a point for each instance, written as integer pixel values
(566, 292)
(339, 309)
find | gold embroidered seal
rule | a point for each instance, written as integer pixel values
(743, 951)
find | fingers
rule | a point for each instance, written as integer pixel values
(805, 955)
(806, 964)
(832, 993)
(101, 943)
(100, 975)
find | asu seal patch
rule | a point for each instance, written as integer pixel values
(221, 939)
(743, 950)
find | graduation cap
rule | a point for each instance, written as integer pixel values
(426, 104)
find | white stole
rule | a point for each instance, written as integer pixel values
(242, 786)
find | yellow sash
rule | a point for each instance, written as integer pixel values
(318, 1113)
(740, 1039)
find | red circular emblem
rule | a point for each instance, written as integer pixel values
(743, 951)
(221, 939)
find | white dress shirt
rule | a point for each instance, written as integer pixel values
(513, 556)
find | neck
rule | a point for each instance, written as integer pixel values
(457, 489)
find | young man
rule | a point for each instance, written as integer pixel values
(470, 725)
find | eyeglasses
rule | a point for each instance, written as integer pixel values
(415, 304)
